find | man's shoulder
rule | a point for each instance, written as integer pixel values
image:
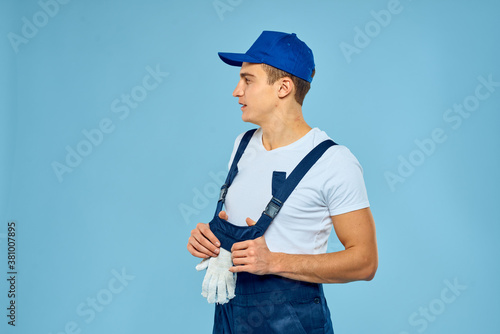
(337, 157)
(240, 136)
(340, 151)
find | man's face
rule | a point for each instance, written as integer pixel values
(257, 97)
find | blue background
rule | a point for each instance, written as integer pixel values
(129, 205)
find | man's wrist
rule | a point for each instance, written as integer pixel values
(276, 263)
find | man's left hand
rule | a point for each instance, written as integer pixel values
(251, 256)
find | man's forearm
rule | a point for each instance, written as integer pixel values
(358, 261)
(339, 267)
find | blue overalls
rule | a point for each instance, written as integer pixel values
(269, 303)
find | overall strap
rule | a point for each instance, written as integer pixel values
(234, 168)
(291, 182)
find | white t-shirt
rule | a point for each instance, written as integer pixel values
(334, 185)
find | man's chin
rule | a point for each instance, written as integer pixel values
(249, 120)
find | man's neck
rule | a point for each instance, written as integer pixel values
(284, 130)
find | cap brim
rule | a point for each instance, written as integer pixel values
(236, 59)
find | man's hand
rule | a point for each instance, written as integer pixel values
(251, 256)
(203, 243)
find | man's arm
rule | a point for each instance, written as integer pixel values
(358, 261)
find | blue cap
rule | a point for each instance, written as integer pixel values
(278, 49)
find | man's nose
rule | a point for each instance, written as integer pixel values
(238, 91)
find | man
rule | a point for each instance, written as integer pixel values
(278, 289)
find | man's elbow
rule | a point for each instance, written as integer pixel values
(369, 269)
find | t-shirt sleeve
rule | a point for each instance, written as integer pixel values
(345, 187)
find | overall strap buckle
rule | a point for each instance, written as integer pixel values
(273, 207)
(223, 192)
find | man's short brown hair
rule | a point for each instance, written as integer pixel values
(301, 86)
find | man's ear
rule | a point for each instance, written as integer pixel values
(285, 87)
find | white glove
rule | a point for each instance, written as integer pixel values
(219, 283)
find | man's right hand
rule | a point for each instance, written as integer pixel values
(203, 243)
